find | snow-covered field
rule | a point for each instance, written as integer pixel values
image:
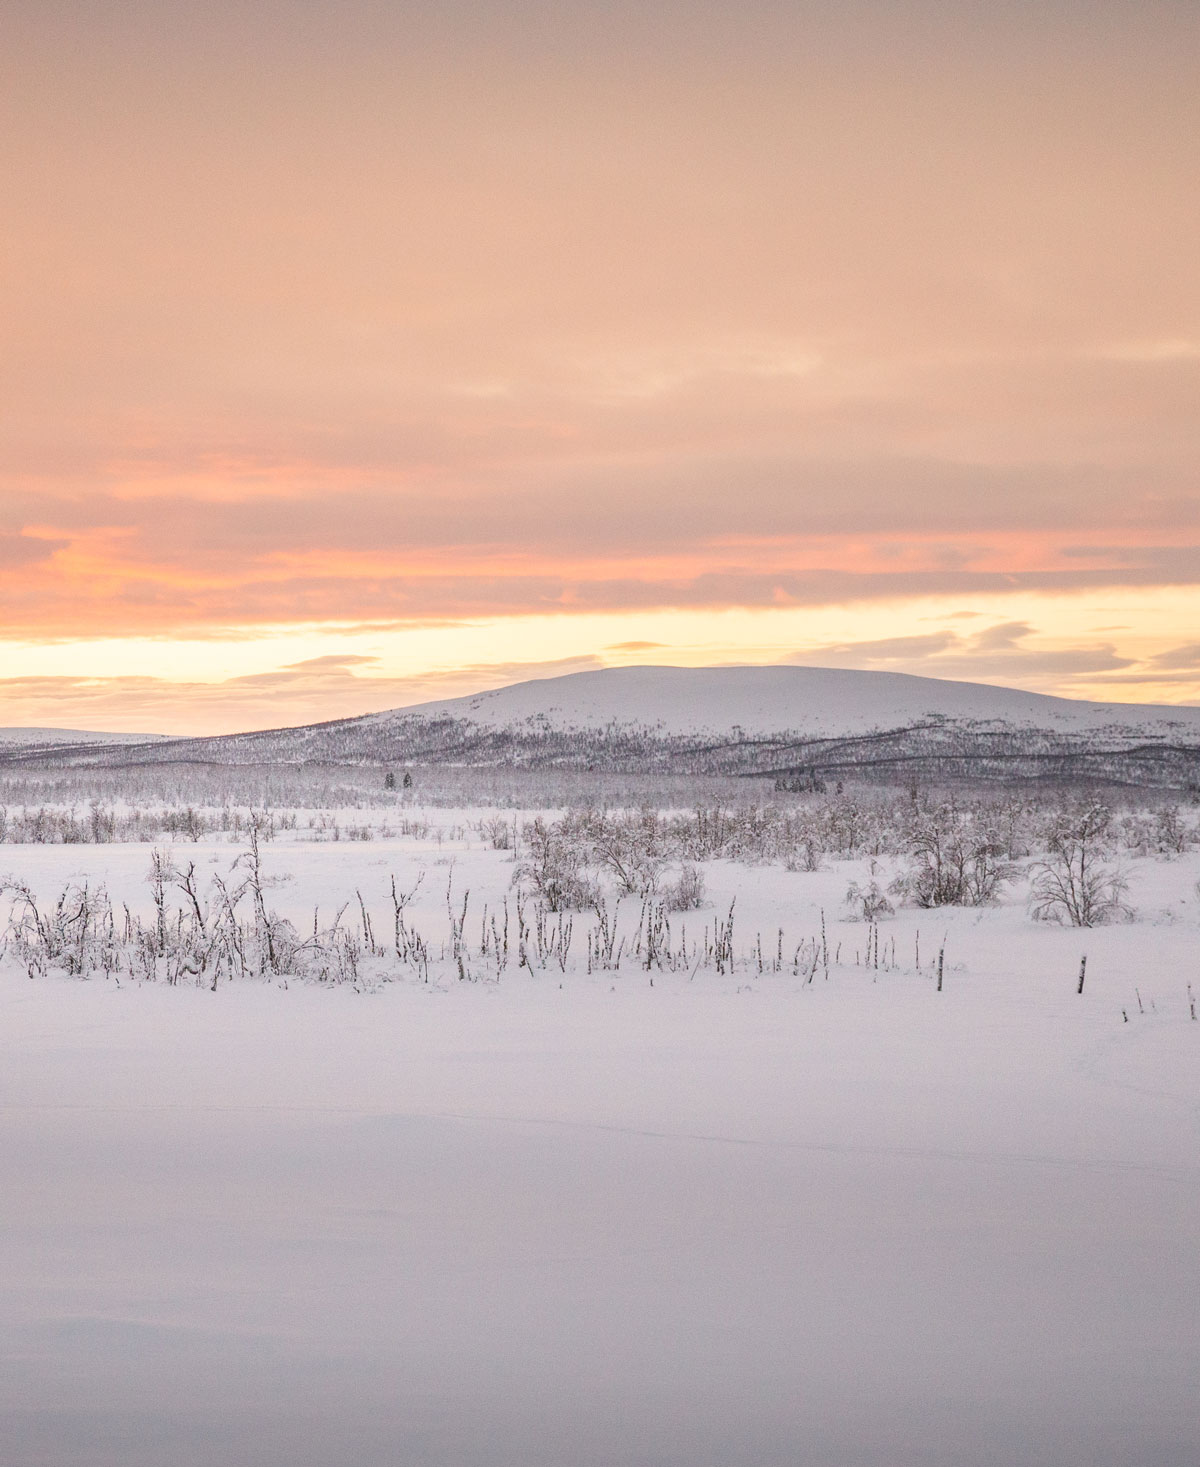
(634, 1217)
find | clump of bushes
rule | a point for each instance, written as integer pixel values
(554, 866)
(954, 860)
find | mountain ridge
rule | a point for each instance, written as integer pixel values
(796, 726)
(21, 735)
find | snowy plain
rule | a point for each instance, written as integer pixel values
(619, 1217)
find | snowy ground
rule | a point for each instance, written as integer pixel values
(728, 1221)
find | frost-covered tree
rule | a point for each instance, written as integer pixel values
(1077, 882)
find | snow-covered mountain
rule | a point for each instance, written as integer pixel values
(762, 701)
(799, 726)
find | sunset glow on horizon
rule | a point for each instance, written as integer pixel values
(359, 355)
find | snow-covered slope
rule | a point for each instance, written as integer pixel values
(573, 1219)
(769, 700)
(40, 736)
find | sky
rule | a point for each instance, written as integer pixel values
(353, 354)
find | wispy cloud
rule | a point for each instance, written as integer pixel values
(1000, 654)
(1185, 658)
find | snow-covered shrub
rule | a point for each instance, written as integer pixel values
(806, 855)
(497, 831)
(630, 849)
(1161, 832)
(686, 893)
(1077, 881)
(77, 936)
(867, 902)
(1171, 835)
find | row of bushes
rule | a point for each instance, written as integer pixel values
(225, 930)
(953, 855)
(102, 825)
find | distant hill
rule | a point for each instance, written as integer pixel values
(777, 699)
(40, 737)
(800, 726)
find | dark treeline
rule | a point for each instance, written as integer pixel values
(936, 751)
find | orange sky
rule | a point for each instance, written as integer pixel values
(357, 352)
